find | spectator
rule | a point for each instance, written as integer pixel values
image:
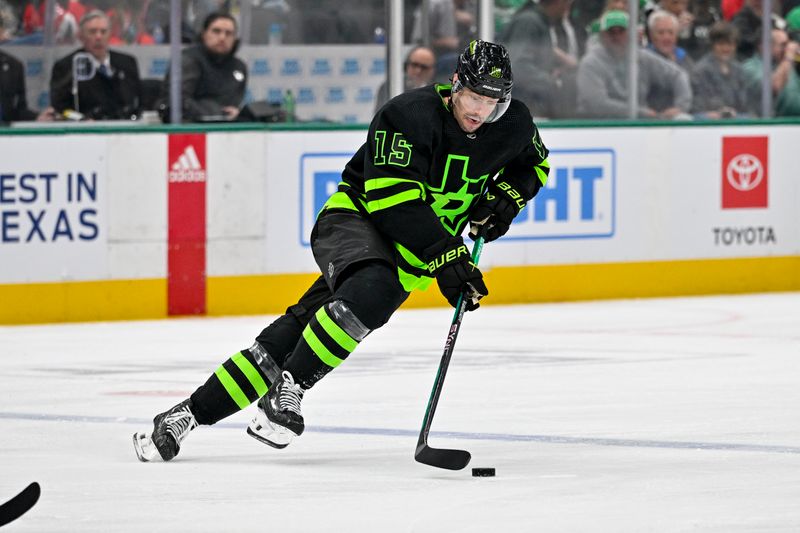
(785, 80)
(8, 22)
(748, 23)
(442, 35)
(663, 29)
(593, 28)
(213, 79)
(419, 69)
(110, 89)
(156, 22)
(679, 8)
(793, 24)
(65, 22)
(127, 23)
(730, 8)
(719, 83)
(586, 13)
(603, 77)
(545, 49)
(705, 14)
(13, 100)
(466, 13)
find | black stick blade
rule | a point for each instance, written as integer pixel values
(20, 504)
(442, 458)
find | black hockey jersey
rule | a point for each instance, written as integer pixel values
(419, 174)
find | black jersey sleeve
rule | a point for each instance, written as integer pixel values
(397, 162)
(528, 171)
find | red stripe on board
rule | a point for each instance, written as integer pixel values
(186, 241)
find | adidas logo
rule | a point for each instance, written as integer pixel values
(187, 168)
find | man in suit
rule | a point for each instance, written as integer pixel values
(13, 100)
(108, 85)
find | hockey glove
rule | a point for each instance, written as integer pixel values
(497, 210)
(456, 274)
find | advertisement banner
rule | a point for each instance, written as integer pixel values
(53, 209)
(186, 234)
(745, 172)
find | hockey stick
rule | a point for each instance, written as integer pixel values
(442, 457)
(19, 504)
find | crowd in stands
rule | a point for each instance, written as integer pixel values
(95, 82)
(696, 59)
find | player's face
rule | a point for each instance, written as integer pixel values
(220, 36)
(471, 109)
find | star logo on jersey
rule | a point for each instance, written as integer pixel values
(451, 205)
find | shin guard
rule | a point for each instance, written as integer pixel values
(330, 336)
(238, 382)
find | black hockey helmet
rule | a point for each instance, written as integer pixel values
(485, 68)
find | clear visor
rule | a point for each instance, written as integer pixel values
(499, 109)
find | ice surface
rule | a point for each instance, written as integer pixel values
(618, 416)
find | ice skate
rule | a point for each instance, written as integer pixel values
(169, 430)
(278, 419)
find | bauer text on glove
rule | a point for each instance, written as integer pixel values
(456, 273)
(496, 210)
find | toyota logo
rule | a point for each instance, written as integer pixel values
(744, 172)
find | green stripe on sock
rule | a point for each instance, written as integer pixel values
(252, 374)
(318, 348)
(332, 328)
(233, 389)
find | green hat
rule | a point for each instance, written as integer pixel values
(613, 19)
(793, 19)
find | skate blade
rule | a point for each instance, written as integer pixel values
(280, 439)
(144, 447)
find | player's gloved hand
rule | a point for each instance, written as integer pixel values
(455, 273)
(496, 210)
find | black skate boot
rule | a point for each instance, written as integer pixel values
(278, 418)
(169, 430)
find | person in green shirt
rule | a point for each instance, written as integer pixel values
(785, 79)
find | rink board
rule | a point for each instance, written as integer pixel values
(94, 226)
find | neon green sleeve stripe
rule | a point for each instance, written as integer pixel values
(322, 352)
(338, 334)
(410, 258)
(384, 203)
(233, 389)
(252, 374)
(542, 175)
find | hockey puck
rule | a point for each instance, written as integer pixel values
(483, 472)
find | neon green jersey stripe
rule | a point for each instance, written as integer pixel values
(322, 352)
(384, 203)
(338, 334)
(252, 374)
(380, 183)
(233, 389)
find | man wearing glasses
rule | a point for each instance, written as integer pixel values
(419, 70)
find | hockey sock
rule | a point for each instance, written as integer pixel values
(330, 336)
(238, 382)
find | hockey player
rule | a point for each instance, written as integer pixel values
(435, 158)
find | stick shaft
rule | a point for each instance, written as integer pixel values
(449, 345)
